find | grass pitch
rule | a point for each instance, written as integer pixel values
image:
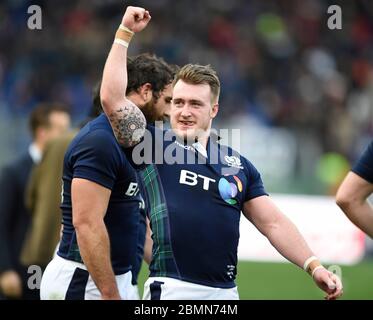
(279, 281)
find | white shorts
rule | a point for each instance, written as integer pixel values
(68, 280)
(163, 288)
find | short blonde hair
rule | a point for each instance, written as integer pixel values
(198, 74)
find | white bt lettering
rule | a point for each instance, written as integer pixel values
(191, 179)
(132, 189)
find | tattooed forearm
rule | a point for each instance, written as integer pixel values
(128, 124)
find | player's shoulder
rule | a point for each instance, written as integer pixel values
(96, 133)
(95, 140)
(364, 165)
(366, 158)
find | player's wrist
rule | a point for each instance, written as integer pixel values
(320, 267)
(123, 36)
(311, 265)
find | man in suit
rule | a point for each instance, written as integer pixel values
(91, 169)
(46, 122)
(43, 197)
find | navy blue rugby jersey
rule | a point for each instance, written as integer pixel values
(194, 208)
(95, 155)
(364, 166)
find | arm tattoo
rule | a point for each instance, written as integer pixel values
(128, 124)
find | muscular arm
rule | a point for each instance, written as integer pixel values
(352, 198)
(286, 238)
(126, 119)
(279, 230)
(89, 202)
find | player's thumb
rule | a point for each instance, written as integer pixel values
(331, 284)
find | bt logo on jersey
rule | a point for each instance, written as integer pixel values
(132, 189)
(191, 178)
(229, 190)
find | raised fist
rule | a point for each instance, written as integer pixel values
(136, 18)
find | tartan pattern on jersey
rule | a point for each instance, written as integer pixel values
(74, 252)
(163, 261)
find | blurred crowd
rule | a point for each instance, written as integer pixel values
(301, 94)
(279, 64)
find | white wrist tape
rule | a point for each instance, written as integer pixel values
(308, 261)
(122, 27)
(314, 270)
(121, 42)
(123, 36)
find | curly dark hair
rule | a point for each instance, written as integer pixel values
(148, 68)
(141, 69)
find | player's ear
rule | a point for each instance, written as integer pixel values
(146, 92)
(214, 110)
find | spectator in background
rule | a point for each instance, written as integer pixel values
(43, 199)
(280, 64)
(352, 195)
(46, 122)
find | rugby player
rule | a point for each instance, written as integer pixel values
(194, 208)
(99, 254)
(352, 195)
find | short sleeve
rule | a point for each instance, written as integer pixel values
(364, 166)
(255, 186)
(97, 158)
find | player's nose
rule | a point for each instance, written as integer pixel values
(185, 112)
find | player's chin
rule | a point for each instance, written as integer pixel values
(185, 133)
